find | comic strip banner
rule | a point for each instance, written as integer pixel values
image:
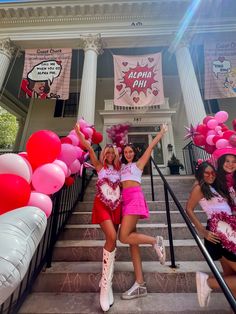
(138, 80)
(220, 69)
(46, 73)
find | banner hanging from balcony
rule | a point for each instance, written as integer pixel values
(46, 73)
(220, 69)
(138, 80)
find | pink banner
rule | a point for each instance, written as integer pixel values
(46, 73)
(138, 80)
(220, 69)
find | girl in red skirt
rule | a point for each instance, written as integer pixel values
(106, 210)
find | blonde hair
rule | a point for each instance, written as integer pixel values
(102, 157)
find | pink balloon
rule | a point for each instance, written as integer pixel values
(68, 153)
(211, 132)
(209, 140)
(232, 140)
(15, 164)
(48, 179)
(68, 173)
(41, 201)
(221, 116)
(222, 143)
(74, 139)
(212, 123)
(88, 132)
(82, 123)
(72, 132)
(61, 164)
(206, 119)
(75, 166)
(79, 152)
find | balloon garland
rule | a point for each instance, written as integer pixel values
(29, 178)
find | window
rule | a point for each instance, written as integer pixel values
(67, 108)
(211, 106)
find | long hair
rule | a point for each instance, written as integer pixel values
(221, 180)
(205, 187)
(103, 160)
(123, 159)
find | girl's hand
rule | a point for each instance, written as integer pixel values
(211, 236)
(164, 128)
(77, 128)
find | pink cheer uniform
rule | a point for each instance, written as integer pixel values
(101, 209)
(133, 200)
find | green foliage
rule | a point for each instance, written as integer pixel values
(8, 129)
(175, 162)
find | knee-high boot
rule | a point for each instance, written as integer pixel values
(113, 257)
(105, 283)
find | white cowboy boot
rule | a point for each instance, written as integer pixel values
(105, 283)
(113, 257)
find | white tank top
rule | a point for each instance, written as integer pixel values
(130, 172)
(215, 205)
(110, 173)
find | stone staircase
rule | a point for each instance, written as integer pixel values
(71, 284)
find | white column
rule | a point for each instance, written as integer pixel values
(92, 46)
(194, 106)
(7, 50)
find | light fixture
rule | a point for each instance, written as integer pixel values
(170, 147)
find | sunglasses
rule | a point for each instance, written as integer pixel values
(210, 173)
(110, 146)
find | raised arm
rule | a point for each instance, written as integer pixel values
(97, 164)
(193, 200)
(146, 155)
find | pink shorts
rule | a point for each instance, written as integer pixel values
(134, 203)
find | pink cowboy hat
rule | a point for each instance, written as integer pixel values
(224, 151)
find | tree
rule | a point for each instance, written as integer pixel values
(8, 129)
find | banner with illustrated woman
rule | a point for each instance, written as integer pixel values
(46, 73)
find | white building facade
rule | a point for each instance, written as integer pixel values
(96, 30)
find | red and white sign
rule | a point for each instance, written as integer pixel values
(138, 80)
(46, 73)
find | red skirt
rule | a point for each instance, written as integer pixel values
(101, 212)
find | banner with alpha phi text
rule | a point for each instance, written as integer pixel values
(46, 73)
(138, 80)
(220, 69)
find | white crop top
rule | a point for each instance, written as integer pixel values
(110, 173)
(130, 172)
(215, 205)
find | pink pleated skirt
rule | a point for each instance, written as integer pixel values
(134, 203)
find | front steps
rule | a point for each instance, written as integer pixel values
(71, 284)
(68, 303)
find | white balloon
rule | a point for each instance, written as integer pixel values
(14, 164)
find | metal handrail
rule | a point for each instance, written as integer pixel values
(228, 294)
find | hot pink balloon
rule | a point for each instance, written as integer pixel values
(211, 124)
(79, 152)
(221, 116)
(41, 201)
(68, 153)
(61, 164)
(15, 164)
(48, 179)
(75, 166)
(206, 119)
(42, 147)
(222, 143)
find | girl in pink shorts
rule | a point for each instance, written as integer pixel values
(134, 207)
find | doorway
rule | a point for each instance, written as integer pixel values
(140, 142)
